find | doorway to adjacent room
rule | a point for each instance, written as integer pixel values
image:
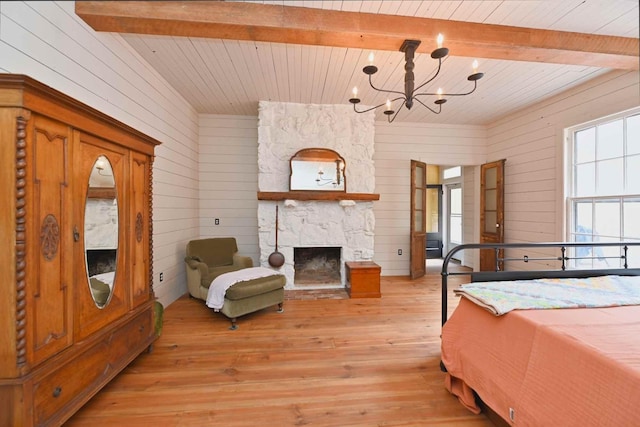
(444, 210)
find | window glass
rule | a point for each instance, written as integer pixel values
(633, 175)
(607, 218)
(452, 172)
(490, 220)
(584, 218)
(607, 256)
(491, 199)
(417, 225)
(455, 229)
(420, 180)
(610, 177)
(456, 201)
(632, 220)
(633, 134)
(491, 178)
(585, 145)
(610, 140)
(418, 198)
(585, 180)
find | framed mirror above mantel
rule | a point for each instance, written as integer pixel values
(317, 169)
(317, 174)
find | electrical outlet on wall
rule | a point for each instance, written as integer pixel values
(399, 251)
(217, 221)
(161, 277)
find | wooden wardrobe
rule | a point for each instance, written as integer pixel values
(73, 182)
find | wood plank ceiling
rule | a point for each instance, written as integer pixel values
(225, 57)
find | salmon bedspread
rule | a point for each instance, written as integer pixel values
(557, 367)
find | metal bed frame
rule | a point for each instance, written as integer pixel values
(563, 257)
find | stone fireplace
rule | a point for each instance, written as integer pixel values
(349, 225)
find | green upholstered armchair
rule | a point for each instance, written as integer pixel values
(207, 259)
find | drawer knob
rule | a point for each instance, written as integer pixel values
(57, 391)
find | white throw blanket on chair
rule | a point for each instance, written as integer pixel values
(219, 285)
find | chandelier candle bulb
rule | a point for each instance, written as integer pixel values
(440, 40)
(354, 100)
(439, 93)
(371, 58)
(388, 104)
(475, 66)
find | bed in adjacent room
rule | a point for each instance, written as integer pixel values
(547, 352)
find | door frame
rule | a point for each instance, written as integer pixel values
(418, 229)
(437, 252)
(449, 245)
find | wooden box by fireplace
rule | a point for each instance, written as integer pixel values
(363, 279)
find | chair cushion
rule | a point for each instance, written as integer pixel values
(254, 287)
(215, 272)
(214, 252)
(100, 291)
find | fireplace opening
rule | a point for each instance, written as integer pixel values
(317, 266)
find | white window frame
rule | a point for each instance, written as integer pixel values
(571, 200)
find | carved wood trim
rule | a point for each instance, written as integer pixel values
(21, 263)
(49, 237)
(139, 224)
(150, 220)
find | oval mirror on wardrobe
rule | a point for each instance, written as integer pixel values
(101, 231)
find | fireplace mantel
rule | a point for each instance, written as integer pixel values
(316, 195)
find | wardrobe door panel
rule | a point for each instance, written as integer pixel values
(93, 314)
(139, 237)
(49, 235)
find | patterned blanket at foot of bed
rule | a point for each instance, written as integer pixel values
(603, 291)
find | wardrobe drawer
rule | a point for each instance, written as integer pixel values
(59, 388)
(132, 338)
(76, 381)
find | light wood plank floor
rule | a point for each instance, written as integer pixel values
(326, 362)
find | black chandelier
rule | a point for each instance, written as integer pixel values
(411, 93)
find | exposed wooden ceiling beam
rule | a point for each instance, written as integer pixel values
(310, 26)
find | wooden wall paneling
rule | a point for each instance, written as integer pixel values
(229, 180)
